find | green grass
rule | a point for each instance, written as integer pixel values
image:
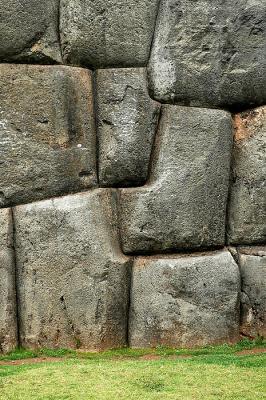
(205, 373)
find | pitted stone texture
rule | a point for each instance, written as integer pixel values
(252, 261)
(8, 323)
(210, 53)
(47, 132)
(247, 207)
(29, 31)
(73, 281)
(183, 204)
(188, 300)
(107, 33)
(127, 122)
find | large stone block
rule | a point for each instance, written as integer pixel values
(29, 31)
(107, 33)
(210, 53)
(127, 122)
(247, 206)
(73, 281)
(183, 204)
(8, 322)
(186, 300)
(252, 261)
(47, 132)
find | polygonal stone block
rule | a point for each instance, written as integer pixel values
(127, 122)
(186, 300)
(73, 281)
(209, 53)
(107, 33)
(183, 204)
(247, 205)
(47, 132)
(252, 261)
(8, 322)
(29, 31)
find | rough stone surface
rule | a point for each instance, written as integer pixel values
(183, 204)
(113, 33)
(210, 53)
(184, 300)
(8, 322)
(247, 207)
(127, 122)
(47, 132)
(73, 281)
(252, 261)
(29, 31)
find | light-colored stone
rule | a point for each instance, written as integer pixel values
(252, 261)
(8, 322)
(107, 33)
(247, 206)
(184, 201)
(29, 31)
(210, 53)
(186, 300)
(73, 281)
(47, 132)
(127, 122)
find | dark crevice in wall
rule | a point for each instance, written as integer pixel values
(16, 280)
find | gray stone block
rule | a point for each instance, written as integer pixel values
(73, 281)
(252, 261)
(183, 204)
(247, 206)
(47, 132)
(127, 122)
(107, 33)
(185, 300)
(8, 322)
(210, 53)
(29, 31)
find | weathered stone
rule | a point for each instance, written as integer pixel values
(113, 33)
(210, 53)
(29, 31)
(183, 204)
(185, 300)
(127, 121)
(47, 132)
(247, 207)
(252, 263)
(8, 323)
(73, 281)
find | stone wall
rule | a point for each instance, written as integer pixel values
(132, 172)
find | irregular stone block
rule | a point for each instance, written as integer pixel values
(73, 281)
(252, 261)
(107, 33)
(183, 204)
(29, 31)
(247, 206)
(8, 322)
(47, 132)
(185, 300)
(127, 121)
(209, 53)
